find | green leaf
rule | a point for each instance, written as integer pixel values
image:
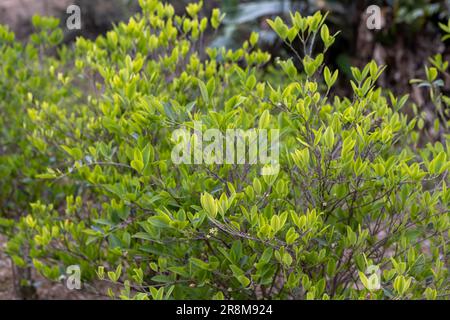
(203, 91)
(328, 138)
(200, 264)
(244, 280)
(264, 120)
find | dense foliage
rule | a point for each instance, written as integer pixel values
(88, 178)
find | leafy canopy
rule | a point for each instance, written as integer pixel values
(354, 192)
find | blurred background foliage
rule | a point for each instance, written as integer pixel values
(409, 34)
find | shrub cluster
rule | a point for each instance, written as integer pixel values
(357, 208)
